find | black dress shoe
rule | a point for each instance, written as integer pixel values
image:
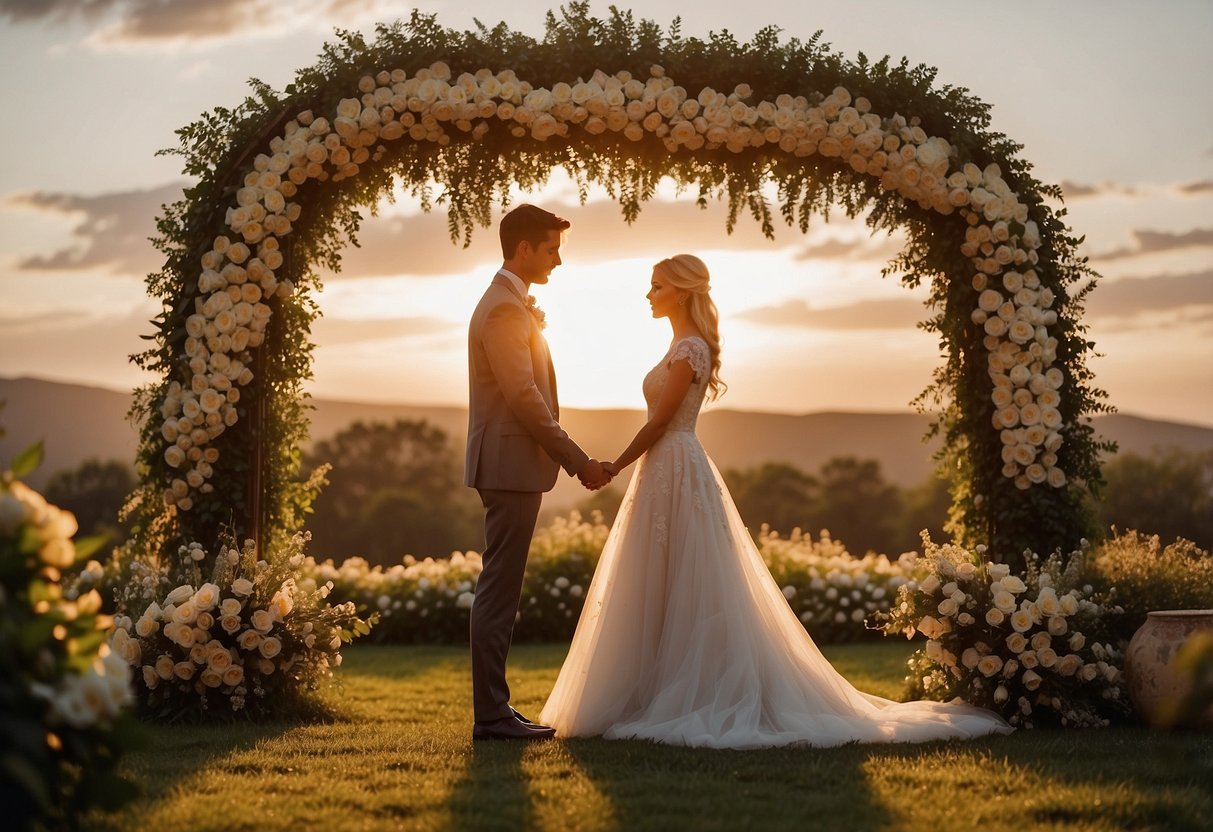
(511, 728)
(522, 718)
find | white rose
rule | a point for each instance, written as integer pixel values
(262, 621)
(1004, 601)
(989, 665)
(206, 597)
(990, 300)
(931, 627)
(1031, 679)
(1021, 332)
(146, 626)
(1021, 621)
(995, 326)
(270, 647)
(994, 616)
(242, 587)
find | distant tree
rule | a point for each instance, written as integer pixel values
(95, 492)
(856, 504)
(774, 493)
(1169, 493)
(394, 489)
(924, 506)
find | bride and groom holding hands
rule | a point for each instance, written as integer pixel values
(684, 637)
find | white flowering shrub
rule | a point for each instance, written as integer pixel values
(423, 601)
(417, 601)
(1023, 646)
(251, 638)
(835, 594)
(63, 694)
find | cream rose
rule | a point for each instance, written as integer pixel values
(262, 621)
(1021, 621)
(931, 627)
(989, 665)
(270, 647)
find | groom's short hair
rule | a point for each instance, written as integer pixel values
(530, 223)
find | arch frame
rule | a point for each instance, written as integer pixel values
(252, 485)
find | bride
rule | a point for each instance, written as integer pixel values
(685, 637)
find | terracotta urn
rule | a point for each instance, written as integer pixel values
(1155, 686)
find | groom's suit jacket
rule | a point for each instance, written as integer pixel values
(514, 440)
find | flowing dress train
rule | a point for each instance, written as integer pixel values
(685, 638)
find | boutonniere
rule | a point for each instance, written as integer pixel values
(535, 311)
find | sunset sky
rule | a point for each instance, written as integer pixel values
(1111, 99)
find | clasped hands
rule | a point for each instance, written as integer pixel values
(596, 474)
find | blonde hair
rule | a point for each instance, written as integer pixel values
(689, 273)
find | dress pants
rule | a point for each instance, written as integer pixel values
(509, 523)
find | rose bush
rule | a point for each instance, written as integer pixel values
(249, 638)
(1023, 646)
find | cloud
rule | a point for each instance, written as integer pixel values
(1073, 190)
(836, 248)
(113, 230)
(161, 22)
(1078, 190)
(877, 313)
(1152, 242)
(1197, 187)
(1136, 296)
(334, 331)
(22, 11)
(112, 233)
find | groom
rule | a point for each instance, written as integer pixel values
(514, 452)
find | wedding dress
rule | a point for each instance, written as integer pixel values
(685, 638)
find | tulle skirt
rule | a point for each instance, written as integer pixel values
(685, 638)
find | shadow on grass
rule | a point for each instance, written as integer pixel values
(173, 755)
(652, 786)
(494, 792)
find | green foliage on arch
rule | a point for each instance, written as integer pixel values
(775, 168)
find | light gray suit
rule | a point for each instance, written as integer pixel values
(514, 452)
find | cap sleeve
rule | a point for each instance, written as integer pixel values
(694, 351)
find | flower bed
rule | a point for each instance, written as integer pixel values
(428, 600)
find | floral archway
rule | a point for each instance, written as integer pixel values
(461, 117)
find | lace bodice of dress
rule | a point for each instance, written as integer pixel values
(695, 350)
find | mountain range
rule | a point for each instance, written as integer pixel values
(78, 422)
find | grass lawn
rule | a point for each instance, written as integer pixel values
(399, 755)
